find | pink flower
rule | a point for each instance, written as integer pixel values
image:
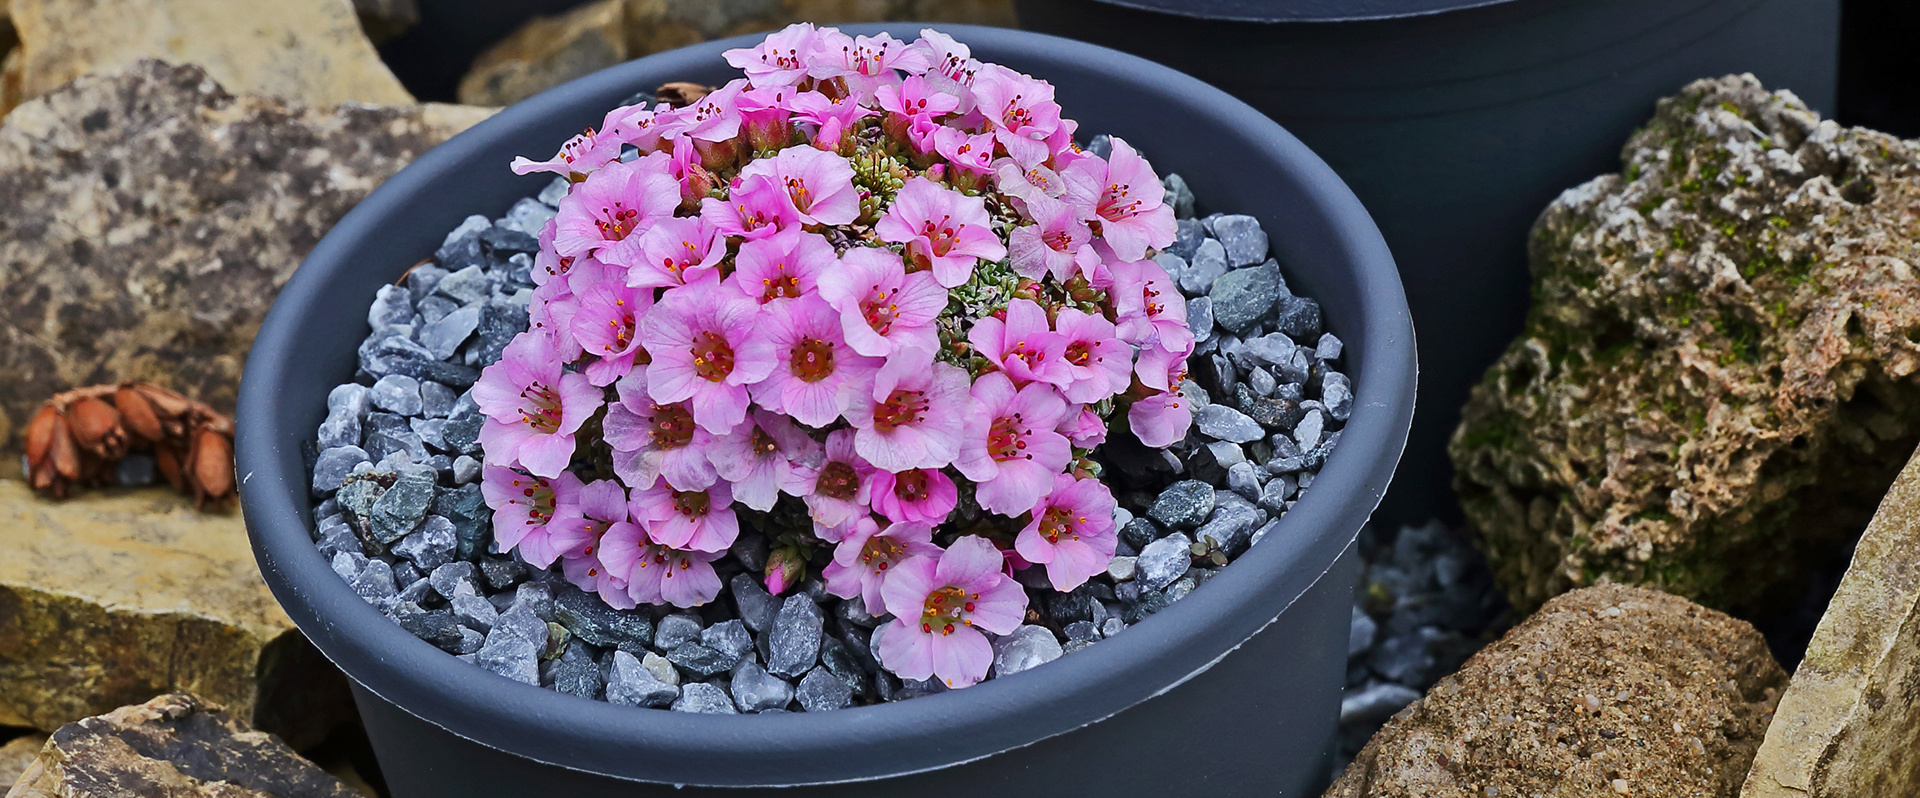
(687, 169)
(940, 606)
(781, 266)
(637, 125)
(1020, 111)
(1163, 369)
(705, 348)
(812, 362)
(833, 497)
(1072, 532)
(781, 59)
(1097, 362)
(758, 458)
(1022, 345)
(651, 440)
(1010, 447)
(554, 304)
(971, 152)
(1147, 305)
(818, 185)
(1130, 209)
(695, 520)
(755, 207)
(618, 553)
(532, 406)
(946, 59)
(1160, 420)
(867, 61)
(1057, 243)
(525, 508)
(910, 415)
(581, 154)
(916, 495)
(883, 309)
(666, 575)
(915, 99)
(834, 118)
(863, 557)
(1083, 428)
(602, 505)
(616, 201)
(765, 113)
(604, 324)
(943, 229)
(676, 251)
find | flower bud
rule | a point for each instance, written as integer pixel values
(136, 413)
(96, 427)
(785, 566)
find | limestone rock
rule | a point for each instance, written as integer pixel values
(310, 51)
(119, 595)
(178, 746)
(17, 754)
(1849, 724)
(1716, 381)
(148, 218)
(1606, 690)
(549, 51)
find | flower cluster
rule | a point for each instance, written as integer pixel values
(874, 279)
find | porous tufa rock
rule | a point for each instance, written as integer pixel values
(1717, 379)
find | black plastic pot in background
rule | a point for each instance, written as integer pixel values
(1233, 690)
(1456, 122)
(1880, 66)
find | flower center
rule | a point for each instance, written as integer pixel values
(1058, 240)
(617, 221)
(1060, 522)
(941, 235)
(881, 553)
(902, 408)
(946, 609)
(1079, 353)
(1114, 204)
(781, 284)
(812, 359)
(672, 426)
(1007, 439)
(622, 325)
(1027, 354)
(692, 503)
(797, 189)
(540, 408)
(879, 309)
(538, 496)
(712, 356)
(763, 445)
(837, 481)
(911, 485)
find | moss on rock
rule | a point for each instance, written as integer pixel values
(1716, 381)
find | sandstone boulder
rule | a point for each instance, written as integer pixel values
(115, 596)
(310, 51)
(17, 754)
(178, 746)
(1849, 724)
(547, 52)
(147, 219)
(1716, 382)
(1606, 690)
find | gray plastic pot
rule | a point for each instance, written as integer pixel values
(1233, 690)
(1456, 122)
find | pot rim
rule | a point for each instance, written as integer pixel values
(1311, 11)
(857, 743)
